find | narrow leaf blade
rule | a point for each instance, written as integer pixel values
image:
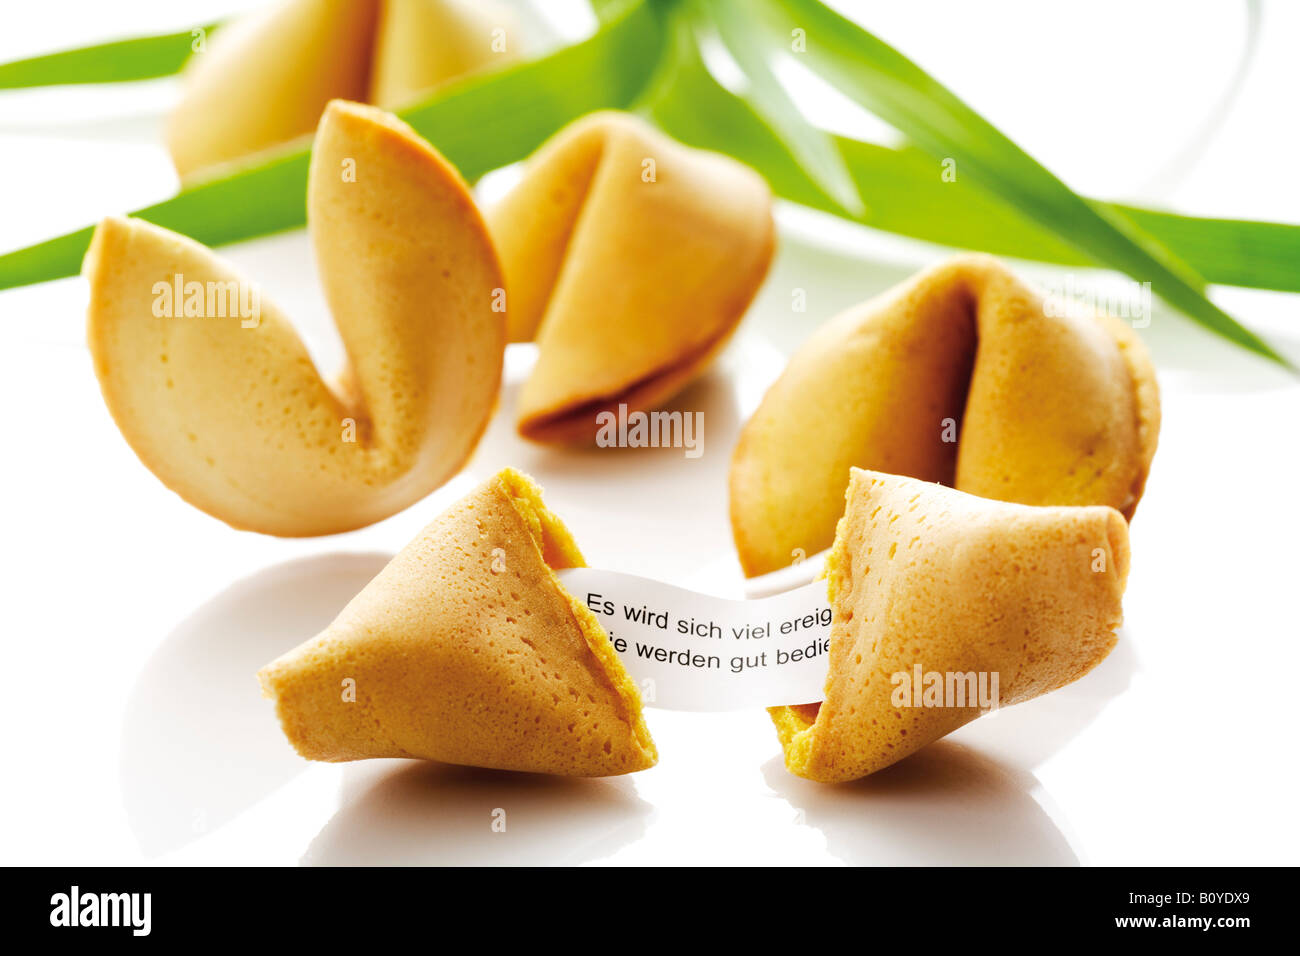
(815, 149)
(888, 84)
(140, 58)
(479, 124)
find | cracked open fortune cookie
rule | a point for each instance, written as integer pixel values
(466, 649)
(1000, 602)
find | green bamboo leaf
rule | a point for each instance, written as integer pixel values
(606, 10)
(1261, 255)
(903, 192)
(815, 149)
(888, 84)
(906, 197)
(141, 58)
(479, 124)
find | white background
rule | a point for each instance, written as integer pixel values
(133, 624)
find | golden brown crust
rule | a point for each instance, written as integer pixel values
(1146, 392)
(1044, 408)
(421, 45)
(262, 81)
(235, 417)
(466, 649)
(625, 314)
(923, 576)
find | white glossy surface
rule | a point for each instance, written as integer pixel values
(133, 624)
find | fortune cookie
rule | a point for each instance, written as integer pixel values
(266, 78)
(223, 403)
(963, 375)
(466, 649)
(630, 259)
(926, 580)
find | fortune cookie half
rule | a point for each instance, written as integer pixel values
(227, 407)
(466, 649)
(630, 259)
(266, 78)
(963, 375)
(927, 580)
